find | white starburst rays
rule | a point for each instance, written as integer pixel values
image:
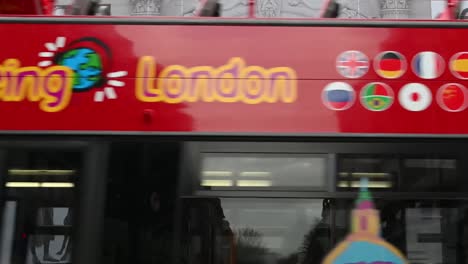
(52, 48)
(107, 93)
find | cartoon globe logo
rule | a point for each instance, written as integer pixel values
(90, 60)
(86, 65)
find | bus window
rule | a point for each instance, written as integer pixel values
(381, 171)
(140, 203)
(426, 231)
(407, 173)
(255, 170)
(255, 231)
(38, 211)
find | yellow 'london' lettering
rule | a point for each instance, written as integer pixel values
(229, 83)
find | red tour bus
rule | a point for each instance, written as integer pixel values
(234, 141)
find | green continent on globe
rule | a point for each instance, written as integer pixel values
(86, 65)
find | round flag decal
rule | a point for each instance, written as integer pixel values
(452, 97)
(415, 97)
(338, 96)
(459, 65)
(352, 64)
(377, 96)
(428, 65)
(390, 65)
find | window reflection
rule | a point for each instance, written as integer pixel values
(8, 231)
(399, 173)
(38, 214)
(424, 237)
(48, 248)
(258, 230)
(54, 216)
(425, 231)
(297, 231)
(429, 174)
(380, 171)
(267, 170)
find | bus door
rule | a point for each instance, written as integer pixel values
(40, 191)
(208, 233)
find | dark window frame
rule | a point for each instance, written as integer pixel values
(88, 190)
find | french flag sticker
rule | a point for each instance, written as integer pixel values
(428, 65)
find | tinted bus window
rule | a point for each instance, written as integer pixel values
(430, 173)
(38, 213)
(381, 171)
(247, 231)
(139, 224)
(263, 170)
(152, 217)
(426, 231)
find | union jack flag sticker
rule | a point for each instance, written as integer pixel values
(352, 64)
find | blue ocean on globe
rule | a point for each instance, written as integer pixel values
(87, 66)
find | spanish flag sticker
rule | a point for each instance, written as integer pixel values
(459, 65)
(390, 65)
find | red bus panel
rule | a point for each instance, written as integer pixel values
(252, 79)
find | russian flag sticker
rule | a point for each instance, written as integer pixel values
(338, 96)
(428, 65)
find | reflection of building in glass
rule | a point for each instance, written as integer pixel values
(399, 9)
(63, 10)
(364, 244)
(60, 10)
(145, 7)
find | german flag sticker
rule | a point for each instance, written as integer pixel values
(390, 65)
(459, 65)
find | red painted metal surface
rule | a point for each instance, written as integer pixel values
(309, 52)
(21, 7)
(26, 7)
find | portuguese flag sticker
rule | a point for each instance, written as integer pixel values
(377, 96)
(390, 65)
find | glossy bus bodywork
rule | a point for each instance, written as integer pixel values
(217, 76)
